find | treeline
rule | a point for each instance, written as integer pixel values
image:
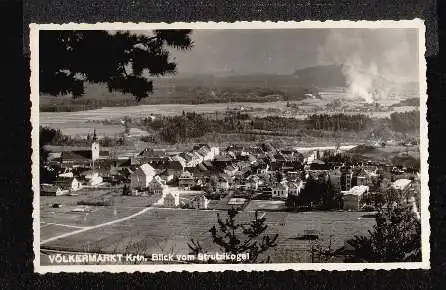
(182, 128)
(405, 121)
(49, 136)
(177, 95)
(338, 122)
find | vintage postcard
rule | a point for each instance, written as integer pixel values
(243, 146)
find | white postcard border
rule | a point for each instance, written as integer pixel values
(424, 208)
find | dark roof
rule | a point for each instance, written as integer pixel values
(63, 182)
(174, 164)
(128, 162)
(79, 155)
(149, 152)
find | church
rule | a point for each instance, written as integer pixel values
(84, 157)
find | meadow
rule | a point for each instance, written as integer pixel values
(168, 231)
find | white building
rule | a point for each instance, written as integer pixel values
(142, 176)
(199, 202)
(279, 190)
(352, 199)
(401, 184)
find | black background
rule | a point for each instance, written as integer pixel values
(16, 250)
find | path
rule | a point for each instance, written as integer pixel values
(95, 226)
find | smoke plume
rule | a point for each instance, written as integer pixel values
(373, 60)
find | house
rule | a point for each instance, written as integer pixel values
(230, 169)
(149, 155)
(222, 184)
(186, 180)
(94, 179)
(295, 188)
(207, 152)
(141, 177)
(253, 182)
(222, 160)
(279, 190)
(166, 176)
(157, 186)
(171, 199)
(175, 168)
(237, 202)
(51, 190)
(68, 183)
(316, 164)
(360, 177)
(189, 159)
(401, 184)
(341, 179)
(199, 202)
(267, 191)
(352, 199)
(262, 168)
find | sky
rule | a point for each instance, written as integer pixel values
(390, 52)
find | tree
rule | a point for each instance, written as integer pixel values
(121, 60)
(396, 237)
(239, 238)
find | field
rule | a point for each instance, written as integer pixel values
(168, 231)
(80, 123)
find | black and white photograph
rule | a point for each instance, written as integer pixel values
(229, 146)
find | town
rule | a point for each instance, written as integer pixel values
(254, 176)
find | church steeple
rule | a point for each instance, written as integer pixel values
(94, 136)
(94, 147)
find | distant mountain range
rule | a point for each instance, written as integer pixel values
(189, 88)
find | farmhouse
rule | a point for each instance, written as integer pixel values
(171, 199)
(186, 180)
(157, 186)
(141, 177)
(352, 198)
(199, 202)
(279, 190)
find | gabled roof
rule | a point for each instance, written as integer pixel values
(186, 174)
(147, 169)
(150, 152)
(401, 184)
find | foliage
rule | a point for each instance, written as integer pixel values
(396, 237)
(405, 121)
(338, 122)
(120, 60)
(239, 238)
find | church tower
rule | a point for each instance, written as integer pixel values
(94, 148)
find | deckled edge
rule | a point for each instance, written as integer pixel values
(383, 24)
